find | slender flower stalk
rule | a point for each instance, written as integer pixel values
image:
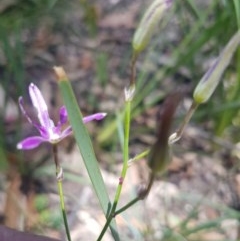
(128, 99)
(59, 176)
(159, 155)
(133, 69)
(129, 94)
(125, 156)
(140, 41)
(178, 134)
(48, 131)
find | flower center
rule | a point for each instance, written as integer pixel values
(53, 136)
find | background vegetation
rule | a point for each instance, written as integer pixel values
(93, 43)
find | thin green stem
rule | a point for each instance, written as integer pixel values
(60, 191)
(109, 219)
(124, 168)
(138, 157)
(129, 94)
(125, 155)
(142, 194)
(131, 203)
(133, 69)
(178, 134)
(59, 176)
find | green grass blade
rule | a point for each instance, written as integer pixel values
(229, 114)
(85, 147)
(205, 226)
(190, 4)
(237, 10)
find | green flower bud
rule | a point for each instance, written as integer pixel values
(211, 79)
(152, 16)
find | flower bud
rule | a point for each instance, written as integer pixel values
(160, 153)
(211, 79)
(152, 16)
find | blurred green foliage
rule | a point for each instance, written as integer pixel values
(16, 17)
(203, 29)
(25, 13)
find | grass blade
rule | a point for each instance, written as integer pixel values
(237, 10)
(85, 145)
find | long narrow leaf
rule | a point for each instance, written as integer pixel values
(85, 145)
(237, 10)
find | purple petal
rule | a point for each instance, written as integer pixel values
(30, 142)
(41, 106)
(41, 129)
(20, 101)
(97, 116)
(63, 115)
(66, 132)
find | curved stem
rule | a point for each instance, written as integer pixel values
(178, 134)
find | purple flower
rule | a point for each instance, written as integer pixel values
(48, 131)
